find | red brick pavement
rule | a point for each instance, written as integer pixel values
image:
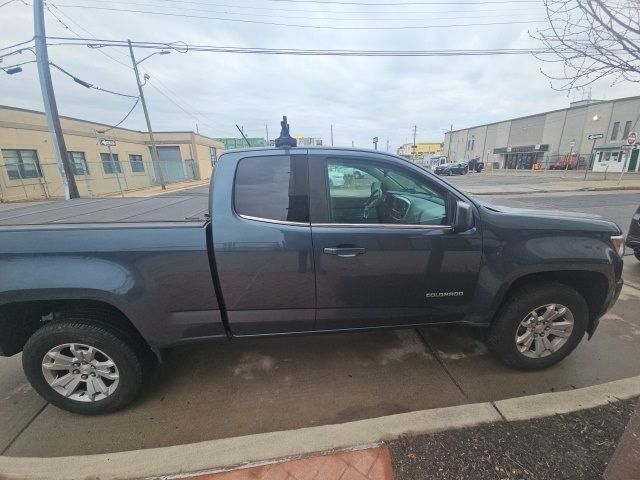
(370, 464)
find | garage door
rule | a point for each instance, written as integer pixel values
(171, 164)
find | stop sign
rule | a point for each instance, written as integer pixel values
(631, 139)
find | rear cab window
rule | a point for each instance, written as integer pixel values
(272, 188)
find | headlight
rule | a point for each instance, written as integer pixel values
(618, 244)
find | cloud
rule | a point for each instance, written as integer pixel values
(361, 97)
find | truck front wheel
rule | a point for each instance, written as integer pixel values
(538, 326)
(83, 367)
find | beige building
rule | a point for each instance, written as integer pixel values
(28, 168)
(555, 138)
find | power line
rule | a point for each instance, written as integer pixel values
(124, 118)
(84, 30)
(456, 14)
(99, 43)
(17, 44)
(338, 2)
(90, 85)
(11, 1)
(324, 18)
(295, 25)
(128, 68)
(289, 10)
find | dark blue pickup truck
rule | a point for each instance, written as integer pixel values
(295, 241)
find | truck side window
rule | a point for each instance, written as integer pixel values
(368, 193)
(273, 188)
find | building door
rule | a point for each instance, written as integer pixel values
(171, 164)
(633, 161)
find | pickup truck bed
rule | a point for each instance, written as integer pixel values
(149, 253)
(188, 209)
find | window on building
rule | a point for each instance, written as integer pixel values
(78, 163)
(273, 188)
(627, 129)
(109, 164)
(614, 132)
(21, 164)
(137, 165)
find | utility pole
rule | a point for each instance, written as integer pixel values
(241, 130)
(332, 134)
(387, 145)
(415, 129)
(49, 100)
(449, 146)
(266, 127)
(154, 150)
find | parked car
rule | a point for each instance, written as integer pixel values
(633, 237)
(475, 165)
(452, 169)
(569, 162)
(93, 306)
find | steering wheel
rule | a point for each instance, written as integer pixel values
(374, 200)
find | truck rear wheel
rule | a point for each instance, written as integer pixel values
(538, 326)
(83, 367)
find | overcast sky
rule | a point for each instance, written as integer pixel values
(361, 97)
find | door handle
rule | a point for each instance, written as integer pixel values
(345, 252)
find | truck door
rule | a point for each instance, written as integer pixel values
(385, 253)
(262, 241)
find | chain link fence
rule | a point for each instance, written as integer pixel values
(39, 181)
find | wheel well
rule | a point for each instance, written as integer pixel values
(20, 320)
(593, 287)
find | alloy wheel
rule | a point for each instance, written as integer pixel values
(80, 372)
(544, 330)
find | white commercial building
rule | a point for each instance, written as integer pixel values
(555, 139)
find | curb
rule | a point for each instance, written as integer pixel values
(552, 190)
(141, 193)
(267, 447)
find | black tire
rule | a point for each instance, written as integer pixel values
(500, 337)
(637, 254)
(130, 358)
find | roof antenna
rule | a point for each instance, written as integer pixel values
(285, 139)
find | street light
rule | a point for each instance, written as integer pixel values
(161, 52)
(154, 151)
(12, 70)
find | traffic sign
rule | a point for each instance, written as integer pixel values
(595, 136)
(375, 139)
(631, 139)
(108, 143)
